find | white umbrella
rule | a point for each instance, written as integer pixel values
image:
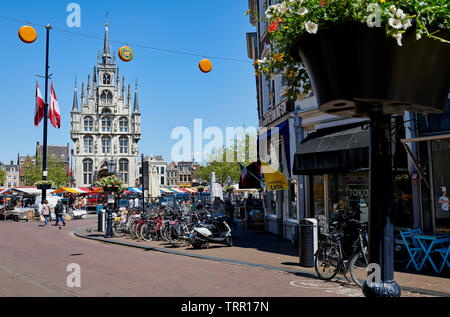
(156, 188)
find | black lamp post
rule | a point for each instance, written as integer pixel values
(111, 170)
(200, 181)
(228, 183)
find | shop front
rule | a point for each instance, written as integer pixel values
(335, 163)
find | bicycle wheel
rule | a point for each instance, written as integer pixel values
(326, 262)
(146, 232)
(358, 268)
(138, 230)
(118, 230)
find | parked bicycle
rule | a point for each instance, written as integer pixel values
(330, 258)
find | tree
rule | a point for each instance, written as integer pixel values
(55, 171)
(227, 161)
(2, 176)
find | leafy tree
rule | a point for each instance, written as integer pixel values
(227, 162)
(55, 171)
(2, 176)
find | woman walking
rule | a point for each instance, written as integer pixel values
(45, 212)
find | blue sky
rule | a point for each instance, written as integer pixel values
(172, 90)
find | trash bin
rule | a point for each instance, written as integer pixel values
(98, 208)
(308, 241)
(102, 220)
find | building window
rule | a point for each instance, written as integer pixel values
(123, 144)
(88, 144)
(106, 145)
(123, 125)
(88, 124)
(87, 171)
(162, 170)
(123, 170)
(106, 124)
(106, 97)
(106, 79)
(162, 180)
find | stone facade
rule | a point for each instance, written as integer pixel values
(106, 125)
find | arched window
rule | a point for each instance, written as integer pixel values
(123, 145)
(106, 124)
(88, 124)
(88, 171)
(106, 97)
(106, 145)
(123, 170)
(88, 144)
(106, 79)
(123, 125)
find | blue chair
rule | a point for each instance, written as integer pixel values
(416, 253)
(444, 252)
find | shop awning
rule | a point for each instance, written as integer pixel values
(71, 190)
(343, 148)
(166, 191)
(135, 190)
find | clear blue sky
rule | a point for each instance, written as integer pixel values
(172, 90)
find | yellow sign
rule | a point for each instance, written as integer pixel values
(275, 180)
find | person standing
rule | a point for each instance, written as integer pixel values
(85, 202)
(59, 212)
(45, 212)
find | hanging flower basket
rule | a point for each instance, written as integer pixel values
(353, 67)
(44, 185)
(391, 55)
(110, 184)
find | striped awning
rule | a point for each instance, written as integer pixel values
(4, 190)
(191, 190)
(71, 190)
(166, 191)
(135, 190)
(178, 190)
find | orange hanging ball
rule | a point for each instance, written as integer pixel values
(205, 65)
(126, 53)
(27, 34)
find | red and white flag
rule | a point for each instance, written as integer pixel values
(39, 109)
(55, 116)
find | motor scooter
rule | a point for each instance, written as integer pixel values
(215, 231)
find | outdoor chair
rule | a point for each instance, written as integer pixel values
(416, 253)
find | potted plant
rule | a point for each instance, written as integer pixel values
(45, 184)
(356, 55)
(111, 184)
(200, 189)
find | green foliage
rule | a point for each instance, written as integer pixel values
(2, 176)
(55, 172)
(290, 19)
(226, 162)
(111, 181)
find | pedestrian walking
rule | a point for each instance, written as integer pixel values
(59, 212)
(45, 211)
(85, 202)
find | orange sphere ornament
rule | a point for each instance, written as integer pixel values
(126, 53)
(205, 65)
(27, 34)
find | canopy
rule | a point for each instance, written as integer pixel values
(166, 191)
(135, 190)
(27, 190)
(2, 191)
(191, 190)
(334, 149)
(71, 190)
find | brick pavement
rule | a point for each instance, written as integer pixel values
(269, 251)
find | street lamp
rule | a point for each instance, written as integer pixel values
(200, 181)
(111, 169)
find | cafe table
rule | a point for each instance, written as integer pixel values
(434, 244)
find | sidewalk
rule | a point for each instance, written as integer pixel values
(269, 252)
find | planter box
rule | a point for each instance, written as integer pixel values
(44, 186)
(356, 69)
(111, 189)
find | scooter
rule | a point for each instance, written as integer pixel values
(217, 232)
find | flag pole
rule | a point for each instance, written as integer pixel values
(44, 150)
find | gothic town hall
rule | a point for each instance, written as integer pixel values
(105, 125)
